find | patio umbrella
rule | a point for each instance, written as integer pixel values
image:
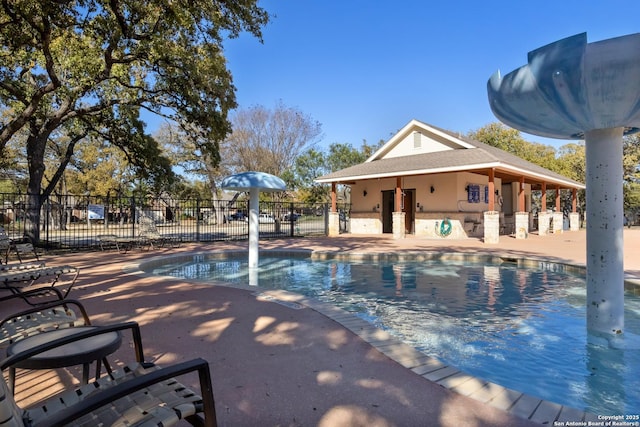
(254, 183)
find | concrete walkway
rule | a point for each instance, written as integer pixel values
(276, 359)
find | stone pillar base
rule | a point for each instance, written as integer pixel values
(398, 225)
(522, 225)
(574, 221)
(558, 223)
(492, 227)
(334, 224)
(543, 223)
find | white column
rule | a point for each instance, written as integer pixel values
(522, 225)
(334, 224)
(558, 222)
(491, 227)
(605, 269)
(543, 223)
(398, 225)
(254, 227)
(574, 221)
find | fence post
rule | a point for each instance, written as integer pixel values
(326, 219)
(198, 219)
(133, 216)
(107, 208)
(46, 220)
(291, 221)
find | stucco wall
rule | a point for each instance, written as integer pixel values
(449, 192)
(419, 143)
(449, 199)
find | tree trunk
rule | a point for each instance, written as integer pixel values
(36, 145)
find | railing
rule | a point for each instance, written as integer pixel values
(76, 222)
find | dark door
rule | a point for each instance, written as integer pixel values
(409, 211)
(387, 211)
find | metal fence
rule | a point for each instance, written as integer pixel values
(78, 222)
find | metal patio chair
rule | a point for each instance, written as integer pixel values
(47, 317)
(139, 393)
(36, 280)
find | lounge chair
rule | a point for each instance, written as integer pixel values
(47, 317)
(122, 244)
(36, 280)
(150, 233)
(139, 393)
(5, 245)
(25, 250)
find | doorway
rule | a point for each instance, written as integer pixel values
(388, 207)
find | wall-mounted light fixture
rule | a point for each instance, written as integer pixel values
(364, 193)
(432, 189)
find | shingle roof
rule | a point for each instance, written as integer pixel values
(480, 158)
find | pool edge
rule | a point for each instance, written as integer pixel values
(511, 401)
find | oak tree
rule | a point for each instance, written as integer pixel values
(91, 67)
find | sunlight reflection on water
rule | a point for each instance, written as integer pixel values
(523, 328)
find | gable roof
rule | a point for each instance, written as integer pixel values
(465, 155)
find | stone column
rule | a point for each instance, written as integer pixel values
(558, 223)
(334, 224)
(543, 223)
(605, 270)
(398, 225)
(522, 225)
(492, 227)
(574, 221)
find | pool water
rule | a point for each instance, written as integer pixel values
(522, 328)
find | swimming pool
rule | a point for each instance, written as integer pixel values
(523, 328)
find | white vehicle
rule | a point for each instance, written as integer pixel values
(266, 219)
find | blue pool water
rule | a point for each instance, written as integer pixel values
(523, 328)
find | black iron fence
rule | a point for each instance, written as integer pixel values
(79, 222)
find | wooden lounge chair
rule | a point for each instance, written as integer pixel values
(139, 393)
(36, 280)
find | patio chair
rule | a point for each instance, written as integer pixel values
(139, 393)
(32, 280)
(5, 245)
(25, 250)
(150, 233)
(122, 244)
(55, 315)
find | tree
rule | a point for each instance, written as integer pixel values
(267, 140)
(510, 140)
(88, 68)
(186, 154)
(631, 171)
(572, 161)
(314, 164)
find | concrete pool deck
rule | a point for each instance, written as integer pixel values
(278, 359)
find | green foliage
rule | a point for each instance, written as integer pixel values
(314, 164)
(510, 140)
(87, 68)
(631, 172)
(571, 161)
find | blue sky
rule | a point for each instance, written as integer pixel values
(364, 68)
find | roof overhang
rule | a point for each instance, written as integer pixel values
(506, 173)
